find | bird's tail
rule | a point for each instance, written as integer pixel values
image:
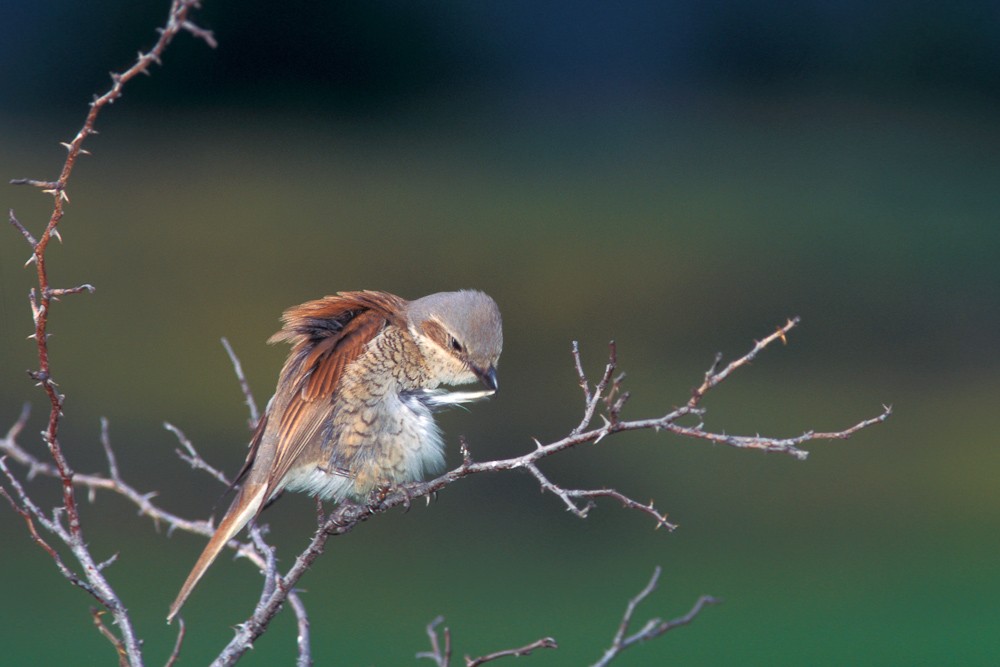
(245, 506)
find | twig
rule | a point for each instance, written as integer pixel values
(302, 638)
(176, 653)
(545, 642)
(129, 645)
(443, 656)
(192, 457)
(347, 515)
(29, 512)
(117, 643)
(437, 654)
(713, 378)
(591, 400)
(244, 385)
(279, 587)
(653, 627)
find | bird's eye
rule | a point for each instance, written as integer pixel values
(455, 345)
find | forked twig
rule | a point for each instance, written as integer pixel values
(128, 645)
(545, 642)
(653, 627)
(64, 522)
(442, 655)
(279, 587)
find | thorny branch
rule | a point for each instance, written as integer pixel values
(64, 522)
(129, 645)
(257, 551)
(278, 587)
(347, 515)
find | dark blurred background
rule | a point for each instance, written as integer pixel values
(678, 176)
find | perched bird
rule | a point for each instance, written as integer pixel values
(353, 406)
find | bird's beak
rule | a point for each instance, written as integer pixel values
(487, 377)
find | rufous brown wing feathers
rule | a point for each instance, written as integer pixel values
(327, 335)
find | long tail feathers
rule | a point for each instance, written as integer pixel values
(244, 507)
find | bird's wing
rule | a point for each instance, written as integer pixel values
(327, 336)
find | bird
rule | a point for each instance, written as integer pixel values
(353, 408)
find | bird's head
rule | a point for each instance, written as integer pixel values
(460, 335)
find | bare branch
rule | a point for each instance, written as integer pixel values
(64, 522)
(579, 370)
(545, 642)
(46, 186)
(29, 512)
(437, 654)
(244, 385)
(106, 443)
(592, 399)
(21, 228)
(713, 378)
(567, 496)
(653, 627)
(58, 292)
(93, 580)
(192, 457)
(783, 445)
(201, 33)
(115, 641)
(302, 638)
(347, 515)
(279, 587)
(176, 653)
(443, 656)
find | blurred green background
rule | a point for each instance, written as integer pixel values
(678, 176)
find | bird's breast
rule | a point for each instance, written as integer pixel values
(381, 441)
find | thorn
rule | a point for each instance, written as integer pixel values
(33, 258)
(68, 147)
(538, 445)
(601, 436)
(55, 232)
